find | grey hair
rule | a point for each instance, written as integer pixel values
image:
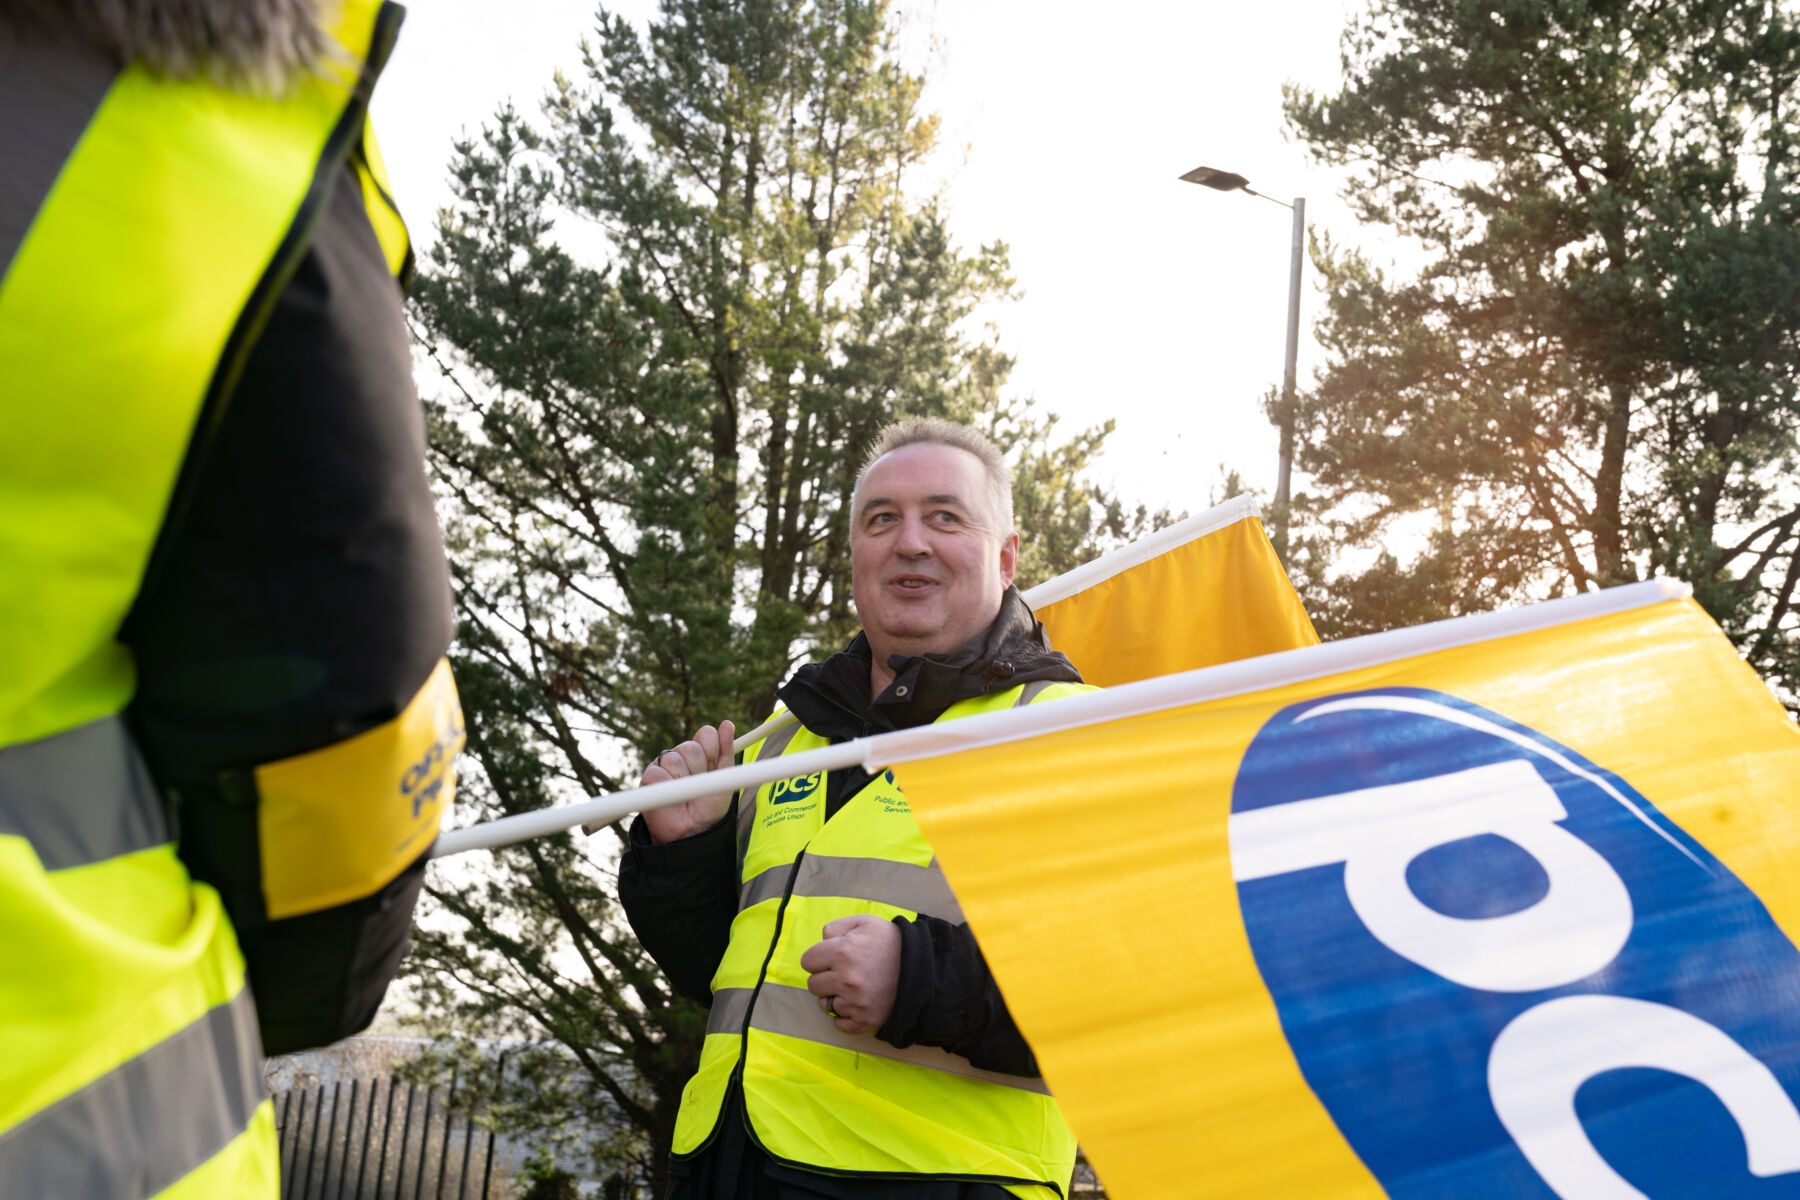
(939, 432)
(260, 45)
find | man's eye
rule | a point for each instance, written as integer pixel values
(947, 518)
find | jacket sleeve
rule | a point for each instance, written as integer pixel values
(298, 596)
(680, 899)
(947, 997)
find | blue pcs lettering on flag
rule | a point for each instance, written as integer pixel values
(1502, 970)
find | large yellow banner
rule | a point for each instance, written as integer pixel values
(1501, 907)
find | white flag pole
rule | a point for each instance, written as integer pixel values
(1128, 700)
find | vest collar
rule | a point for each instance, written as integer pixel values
(831, 698)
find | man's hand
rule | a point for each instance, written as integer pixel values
(855, 971)
(708, 750)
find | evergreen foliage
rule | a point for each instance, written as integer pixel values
(1592, 379)
(645, 452)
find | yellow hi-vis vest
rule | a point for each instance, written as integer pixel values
(169, 221)
(822, 1099)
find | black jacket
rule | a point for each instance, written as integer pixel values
(681, 897)
(298, 597)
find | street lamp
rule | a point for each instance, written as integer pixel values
(1226, 181)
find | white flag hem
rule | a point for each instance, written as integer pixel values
(1260, 673)
(1127, 700)
(1123, 559)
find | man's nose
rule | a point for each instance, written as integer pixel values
(913, 541)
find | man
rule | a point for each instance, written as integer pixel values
(224, 603)
(858, 1045)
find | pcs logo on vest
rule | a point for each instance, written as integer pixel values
(786, 791)
(1501, 969)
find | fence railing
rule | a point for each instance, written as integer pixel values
(381, 1138)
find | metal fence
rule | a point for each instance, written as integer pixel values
(380, 1138)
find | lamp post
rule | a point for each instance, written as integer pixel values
(1226, 181)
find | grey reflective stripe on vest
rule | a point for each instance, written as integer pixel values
(1030, 691)
(773, 746)
(49, 92)
(795, 1012)
(903, 885)
(81, 796)
(146, 1123)
(768, 885)
(729, 1008)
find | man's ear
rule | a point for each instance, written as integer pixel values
(1009, 559)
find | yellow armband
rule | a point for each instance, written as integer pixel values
(335, 825)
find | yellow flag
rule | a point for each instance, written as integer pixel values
(1503, 906)
(1204, 591)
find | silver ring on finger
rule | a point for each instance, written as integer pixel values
(831, 1006)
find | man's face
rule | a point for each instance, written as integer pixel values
(928, 563)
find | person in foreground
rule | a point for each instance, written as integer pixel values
(858, 1045)
(226, 718)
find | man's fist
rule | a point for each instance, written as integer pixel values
(707, 750)
(855, 971)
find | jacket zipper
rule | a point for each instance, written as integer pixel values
(736, 1083)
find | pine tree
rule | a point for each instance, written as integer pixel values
(1593, 377)
(645, 450)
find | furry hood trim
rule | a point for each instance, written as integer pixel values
(259, 44)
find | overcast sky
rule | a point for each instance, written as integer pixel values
(1146, 299)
